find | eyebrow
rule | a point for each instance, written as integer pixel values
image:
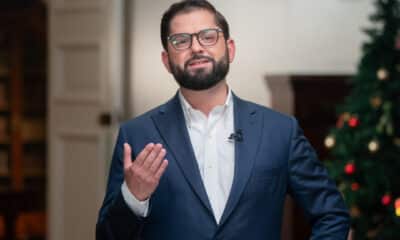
(216, 27)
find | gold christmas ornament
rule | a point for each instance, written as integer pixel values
(373, 146)
(355, 211)
(342, 187)
(329, 141)
(376, 102)
(382, 74)
(346, 116)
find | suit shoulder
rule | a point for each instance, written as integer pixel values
(142, 120)
(270, 113)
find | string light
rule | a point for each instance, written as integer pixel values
(382, 74)
(373, 146)
(397, 206)
(329, 141)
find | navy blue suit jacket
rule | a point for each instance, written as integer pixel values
(273, 159)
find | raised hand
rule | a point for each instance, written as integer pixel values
(143, 175)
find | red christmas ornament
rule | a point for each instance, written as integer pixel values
(386, 199)
(355, 186)
(354, 122)
(350, 168)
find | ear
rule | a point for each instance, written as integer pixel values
(165, 60)
(230, 43)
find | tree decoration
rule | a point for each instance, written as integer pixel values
(373, 146)
(342, 187)
(382, 74)
(355, 211)
(329, 141)
(350, 168)
(386, 199)
(344, 117)
(340, 122)
(355, 186)
(397, 207)
(376, 102)
(354, 122)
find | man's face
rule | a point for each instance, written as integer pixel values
(198, 67)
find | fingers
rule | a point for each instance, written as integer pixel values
(161, 169)
(143, 154)
(158, 161)
(150, 160)
(152, 156)
(127, 156)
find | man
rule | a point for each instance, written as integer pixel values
(206, 164)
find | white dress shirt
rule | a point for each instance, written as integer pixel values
(214, 152)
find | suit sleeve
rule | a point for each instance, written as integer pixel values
(311, 187)
(116, 220)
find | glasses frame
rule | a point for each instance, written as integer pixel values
(190, 35)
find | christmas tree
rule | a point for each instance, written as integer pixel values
(365, 144)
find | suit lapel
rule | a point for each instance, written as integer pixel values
(172, 127)
(249, 122)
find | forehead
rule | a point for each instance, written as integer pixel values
(193, 21)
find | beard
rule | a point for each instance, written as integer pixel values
(201, 79)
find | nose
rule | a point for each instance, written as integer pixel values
(196, 46)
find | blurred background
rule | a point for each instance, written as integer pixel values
(70, 71)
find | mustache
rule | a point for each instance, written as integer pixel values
(198, 57)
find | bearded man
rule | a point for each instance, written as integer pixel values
(207, 164)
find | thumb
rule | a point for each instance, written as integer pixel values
(127, 156)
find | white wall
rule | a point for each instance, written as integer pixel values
(272, 36)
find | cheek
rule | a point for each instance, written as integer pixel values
(222, 56)
(220, 52)
(179, 59)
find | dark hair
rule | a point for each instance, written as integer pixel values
(187, 6)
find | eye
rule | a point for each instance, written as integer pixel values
(180, 40)
(209, 36)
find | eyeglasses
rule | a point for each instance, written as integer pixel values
(206, 38)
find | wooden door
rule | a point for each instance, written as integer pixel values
(85, 76)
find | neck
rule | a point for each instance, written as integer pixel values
(206, 100)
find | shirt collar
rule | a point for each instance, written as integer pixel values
(188, 110)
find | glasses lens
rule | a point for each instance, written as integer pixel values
(181, 41)
(208, 37)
